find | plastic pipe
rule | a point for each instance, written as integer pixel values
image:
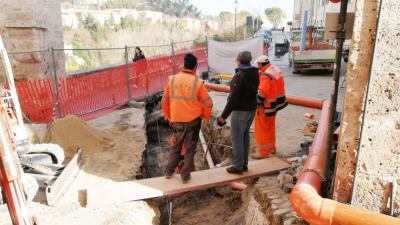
(310, 37)
(306, 102)
(305, 198)
(210, 162)
(234, 185)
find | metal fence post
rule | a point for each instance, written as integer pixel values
(57, 105)
(173, 57)
(128, 77)
(208, 65)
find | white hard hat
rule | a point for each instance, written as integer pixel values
(262, 59)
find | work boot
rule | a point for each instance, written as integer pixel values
(257, 156)
(245, 169)
(233, 170)
(168, 175)
(186, 179)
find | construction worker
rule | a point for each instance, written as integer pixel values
(271, 98)
(185, 103)
(242, 104)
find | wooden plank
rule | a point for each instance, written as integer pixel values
(159, 186)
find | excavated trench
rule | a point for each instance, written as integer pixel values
(211, 206)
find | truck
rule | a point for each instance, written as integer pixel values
(281, 46)
(318, 54)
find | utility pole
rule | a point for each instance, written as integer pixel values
(236, 7)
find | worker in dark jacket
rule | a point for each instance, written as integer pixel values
(242, 104)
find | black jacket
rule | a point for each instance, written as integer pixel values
(138, 57)
(244, 89)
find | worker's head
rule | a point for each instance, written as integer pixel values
(190, 62)
(262, 61)
(244, 58)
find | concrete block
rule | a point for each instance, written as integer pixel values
(285, 204)
(294, 159)
(279, 214)
(277, 201)
(274, 206)
(289, 221)
(285, 178)
(287, 188)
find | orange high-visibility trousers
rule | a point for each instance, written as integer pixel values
(264, 132)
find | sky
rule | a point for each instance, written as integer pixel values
(214, 7)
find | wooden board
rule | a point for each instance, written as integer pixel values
(331, 24)
(159, 186)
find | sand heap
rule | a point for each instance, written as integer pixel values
(72, 133)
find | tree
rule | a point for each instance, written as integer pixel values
(90, 24)
(275, 15)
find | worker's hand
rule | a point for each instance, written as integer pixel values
(221, 121)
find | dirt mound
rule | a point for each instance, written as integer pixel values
(72, 133)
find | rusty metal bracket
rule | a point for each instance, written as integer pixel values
(316, 171)
(56, 191)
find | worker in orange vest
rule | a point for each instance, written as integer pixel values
(271, 97)
(185, 103)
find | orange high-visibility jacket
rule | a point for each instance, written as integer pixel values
(186, 98)
(272, 89)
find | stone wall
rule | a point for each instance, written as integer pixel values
(28, 25)
(269, 204)
(379, 152)
(357, 76)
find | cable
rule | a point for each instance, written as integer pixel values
(160, 145)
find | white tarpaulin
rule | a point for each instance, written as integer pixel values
(222, 55)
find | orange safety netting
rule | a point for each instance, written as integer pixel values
(96, 93)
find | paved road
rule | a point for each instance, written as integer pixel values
(290, 121)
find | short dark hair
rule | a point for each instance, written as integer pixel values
(190, 61)
(264, 63)
(244, 57)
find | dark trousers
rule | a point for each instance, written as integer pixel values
(184, 134)
(240, 133)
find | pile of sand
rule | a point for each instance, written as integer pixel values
(72, 133)
(110, 151)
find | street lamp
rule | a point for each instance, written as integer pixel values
(236, 7)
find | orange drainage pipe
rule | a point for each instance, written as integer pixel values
(306, 102)
(305, 198)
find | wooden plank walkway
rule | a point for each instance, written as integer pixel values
(159, 186)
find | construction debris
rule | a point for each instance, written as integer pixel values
(310, 128)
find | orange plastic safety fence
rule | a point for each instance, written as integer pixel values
(96, 93)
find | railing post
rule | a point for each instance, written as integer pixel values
(208, 66)
(57, 105)
(173, 57)
(128, 77)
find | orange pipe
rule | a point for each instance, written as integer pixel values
(218, 87)
(307, 102)
(310, 36)
(305, 197)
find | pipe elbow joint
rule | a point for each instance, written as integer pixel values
(310, 206)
